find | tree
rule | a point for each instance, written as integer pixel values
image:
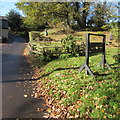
(101, 14)
(14, 21)
(83, 14)
(39, 13)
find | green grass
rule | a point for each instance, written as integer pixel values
(57, 35)
(42, 43)
(70, 94)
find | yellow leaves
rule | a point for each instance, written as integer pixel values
(102, 111)
(59, 7)
(54, 114)
(86, 95)
(44, 12)
(86, 117)
(35, 95)
(40, 109)
(106, 97)
(76, 106)
(49, 110)
(79, 101)
(99, 107)
(91, 88)
(104, 117)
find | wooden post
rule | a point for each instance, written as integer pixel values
(86, 65)
(87, 50)
(103, 62)
(30, 36)
(46, 32)
(103, 54)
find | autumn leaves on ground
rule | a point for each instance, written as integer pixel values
(70, 94)
(67, 93)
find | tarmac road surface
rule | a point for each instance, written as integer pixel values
(16, 87)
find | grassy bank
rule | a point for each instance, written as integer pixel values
(70, 94)
(57, 34)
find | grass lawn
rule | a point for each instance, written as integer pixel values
(70, 94)
(57, 35)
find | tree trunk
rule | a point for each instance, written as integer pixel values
(85, 14)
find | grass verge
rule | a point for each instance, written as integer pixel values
(70, 94)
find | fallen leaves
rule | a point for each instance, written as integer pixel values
(58, 74)
(102, 111)
(72, 95)
(104, 117)
(40, 109)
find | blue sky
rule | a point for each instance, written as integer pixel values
(5, 7)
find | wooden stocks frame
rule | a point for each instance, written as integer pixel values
(89, 45)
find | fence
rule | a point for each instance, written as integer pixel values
(44, 45)
(92, 47)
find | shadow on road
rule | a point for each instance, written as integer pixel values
(44, 75)
(17, 39)
(10, 60)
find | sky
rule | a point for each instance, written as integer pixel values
(7, 5)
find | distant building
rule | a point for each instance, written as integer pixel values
(3, 29)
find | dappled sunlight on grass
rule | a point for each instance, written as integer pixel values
(79, 95)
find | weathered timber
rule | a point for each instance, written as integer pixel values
(94, 47)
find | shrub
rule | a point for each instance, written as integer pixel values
(106, 27)
(115, 32)
(100, 33)
(42, 58)
(117, 58)
(63, 56)
(81, 49)
(47, 57)
(70, 45)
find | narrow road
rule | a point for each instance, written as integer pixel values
(16, 87)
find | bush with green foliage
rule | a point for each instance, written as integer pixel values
(100, 33)
(115, 32)
(47, 57)
(63, 56)
(14, 21)
(67, 48)
(117, 58)
(70, 45)
(105, 27)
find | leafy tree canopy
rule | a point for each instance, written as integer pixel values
(14, 20)
(81, 14)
